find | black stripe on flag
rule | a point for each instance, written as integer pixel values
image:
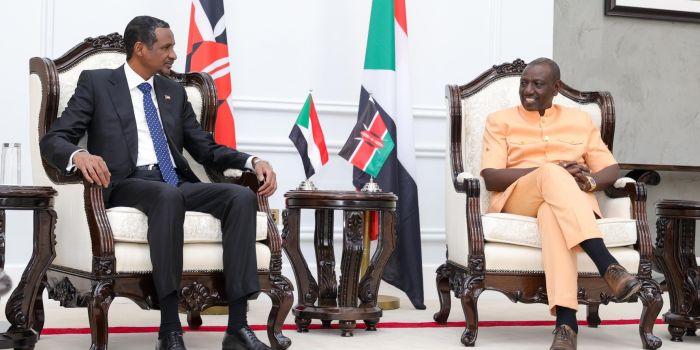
(404, 269)
(299, 141)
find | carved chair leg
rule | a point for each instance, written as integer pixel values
(282, 299)
(194, 319)
(650, 294)
(442, 281)
(98, 307)
(690, 331)
(592, 315)
(471, 316)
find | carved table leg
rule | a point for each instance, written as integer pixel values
(369, 285)
(592, 315)
(325, 258)
(21, 307)
(353, 232)
(308, 288)
(675, 255)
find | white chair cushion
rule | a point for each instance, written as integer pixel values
(501, 257)
(135, 257)
(131, 225)
(523, 230)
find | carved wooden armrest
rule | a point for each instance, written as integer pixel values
(101, 237)
(617, 190)
(638, 196)
(471, 187)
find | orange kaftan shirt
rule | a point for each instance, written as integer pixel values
(517, 138)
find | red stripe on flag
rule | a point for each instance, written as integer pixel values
(317, 133)
(224, 130)
(400, 14)
(365, 150)
(194, 36)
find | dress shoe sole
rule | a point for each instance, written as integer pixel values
(631, 291)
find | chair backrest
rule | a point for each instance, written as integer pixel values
(497, 89)
(52, 83)
(468, 106)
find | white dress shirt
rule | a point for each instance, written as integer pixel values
(146, 153)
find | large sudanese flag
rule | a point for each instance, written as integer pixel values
(207, 51)
(386, 78)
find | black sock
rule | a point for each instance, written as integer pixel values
(595, 248)
(568, 317)
(169, 319)
(237, 315)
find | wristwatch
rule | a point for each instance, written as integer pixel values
(591, 183)
(256, 160)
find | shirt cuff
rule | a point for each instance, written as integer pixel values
(71, 167)
(249, 163)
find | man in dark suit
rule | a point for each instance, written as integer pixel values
(138, 123)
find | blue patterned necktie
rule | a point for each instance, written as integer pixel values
(158, 136)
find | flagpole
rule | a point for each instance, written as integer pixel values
(385, 302)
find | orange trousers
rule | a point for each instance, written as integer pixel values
(565, 218)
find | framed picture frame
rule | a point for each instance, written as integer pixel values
(669, 10)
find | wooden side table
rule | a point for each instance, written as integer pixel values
(675, 255)
(25, 309)
(339, 302)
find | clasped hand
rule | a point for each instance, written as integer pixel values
(268, 178)
(580, 172)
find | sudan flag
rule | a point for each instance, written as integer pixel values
(370, 143)
(307, 137)
(385, 77)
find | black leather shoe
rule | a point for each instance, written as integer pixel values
(171, 341)
(243, 339)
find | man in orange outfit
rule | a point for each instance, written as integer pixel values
(545, 161)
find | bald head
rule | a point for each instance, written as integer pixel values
(553, 66)
(539, 84)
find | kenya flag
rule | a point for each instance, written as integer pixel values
(385, 78)
(370, 142)
(207, 51)
(307, 137)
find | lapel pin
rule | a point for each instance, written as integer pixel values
(167, 97)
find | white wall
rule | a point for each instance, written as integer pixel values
(281, 49)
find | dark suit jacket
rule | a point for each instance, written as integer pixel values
(101, 106)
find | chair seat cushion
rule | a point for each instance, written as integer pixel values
(197, 257)
(522, 230)
(131, 225)
(503, 257)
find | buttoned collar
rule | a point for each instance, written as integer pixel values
(133, 79)
(534, 116)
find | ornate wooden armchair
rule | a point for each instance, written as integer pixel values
(102, 254)
(499, 251)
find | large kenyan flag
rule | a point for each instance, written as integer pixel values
(386, 79)
(207, 51)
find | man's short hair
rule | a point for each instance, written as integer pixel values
(143, 29)
(553, 66)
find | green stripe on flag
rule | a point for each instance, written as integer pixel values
(380, 156)
(380, 39)
(303, 118)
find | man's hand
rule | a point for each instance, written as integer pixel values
(579, 171)
(93, 168)
(267, 176)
